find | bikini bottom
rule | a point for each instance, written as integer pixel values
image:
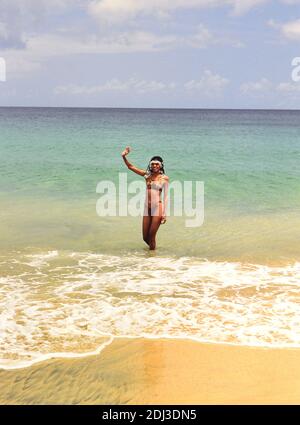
(153, 210)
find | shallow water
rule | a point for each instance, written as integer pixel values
(70, 279)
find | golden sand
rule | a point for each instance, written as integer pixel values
(143, 371)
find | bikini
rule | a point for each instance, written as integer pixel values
(153, 184)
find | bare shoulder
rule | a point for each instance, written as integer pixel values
(165, 178)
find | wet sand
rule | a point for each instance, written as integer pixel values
(160, 371)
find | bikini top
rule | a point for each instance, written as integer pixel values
(153, 184)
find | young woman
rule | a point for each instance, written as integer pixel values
(155, 209)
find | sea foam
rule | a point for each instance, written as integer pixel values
(59, 303)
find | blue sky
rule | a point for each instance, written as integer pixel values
(150, 53)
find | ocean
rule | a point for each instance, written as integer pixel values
(71, 280)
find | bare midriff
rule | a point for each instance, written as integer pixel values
(153, 195)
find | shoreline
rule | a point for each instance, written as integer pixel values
(111, 339)
(160, 371)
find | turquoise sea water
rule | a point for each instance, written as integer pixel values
(70, 278)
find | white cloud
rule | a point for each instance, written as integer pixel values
(116, 85)
(20, 16)
(291, 88)
(55, 44)
(118, 11)
(208, 85)
(243, 6)
(260, 86)
(41, 47)
(44, 46)
(291, 30)
(201, 38)
(266, 87)
(25, 41)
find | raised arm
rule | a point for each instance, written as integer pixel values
(130, 166)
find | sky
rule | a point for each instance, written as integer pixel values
(150, 53)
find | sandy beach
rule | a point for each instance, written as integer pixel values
(144, 371)
(72, 275)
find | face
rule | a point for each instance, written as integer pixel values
(155, 166)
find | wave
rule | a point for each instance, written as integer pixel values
(61, 303)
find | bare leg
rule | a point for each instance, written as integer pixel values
(146, 227)
(155, 223)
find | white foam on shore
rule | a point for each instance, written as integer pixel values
(63, 304)
(10, 365)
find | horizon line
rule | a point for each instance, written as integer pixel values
(151, 108)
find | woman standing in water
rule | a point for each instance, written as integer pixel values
(155, 209)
